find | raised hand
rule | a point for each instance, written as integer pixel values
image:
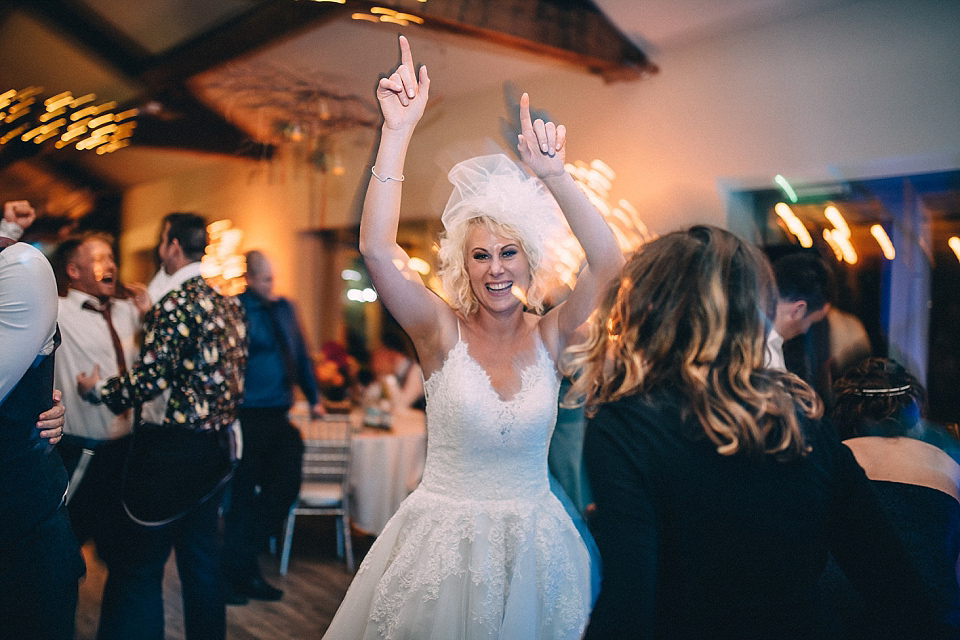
(542, 145)
(19, 212)
(403, 96)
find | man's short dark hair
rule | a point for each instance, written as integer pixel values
(805, 276)
(66, 253)
(190, 231)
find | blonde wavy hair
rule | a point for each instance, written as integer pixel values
(452, 270)
(690, 313)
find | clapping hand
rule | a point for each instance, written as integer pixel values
(403, 96)
(542, 145)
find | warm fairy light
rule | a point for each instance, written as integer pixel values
(519, 294)
(223, 265)
(58, 101)
(603, 168)
(847, 252)
(409, 17)
(840, 234)
(394, 20)
(71, 120)
(388, 15)
(596, 180)
(10, 135)
(883, 240)
(836, 219)
(787, 189)
(794, 225)
(954, 243)
(90, 97)
(837, 251)
(419, 265)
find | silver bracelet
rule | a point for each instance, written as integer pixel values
(373, 170)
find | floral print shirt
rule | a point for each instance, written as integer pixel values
(195, 347)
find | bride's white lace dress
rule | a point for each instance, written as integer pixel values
(481, 549)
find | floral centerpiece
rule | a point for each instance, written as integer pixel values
(336, 371)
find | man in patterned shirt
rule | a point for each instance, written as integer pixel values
(191, 367)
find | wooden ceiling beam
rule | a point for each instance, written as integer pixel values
(571, 30)
(256, 29)
(91, 31)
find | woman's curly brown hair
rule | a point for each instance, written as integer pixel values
(690, 312)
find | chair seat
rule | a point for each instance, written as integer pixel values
(321, 494)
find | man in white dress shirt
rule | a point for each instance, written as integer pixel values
(806, 287)
(99, 330)
(40, 562)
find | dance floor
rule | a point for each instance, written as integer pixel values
(313, 588)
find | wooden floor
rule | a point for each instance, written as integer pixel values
(313, 589)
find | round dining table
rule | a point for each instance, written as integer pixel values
(386, 465)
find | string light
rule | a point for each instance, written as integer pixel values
(383, 14)
(954, 243)
(884, 241)
(840, 234)
(837, 251)
(223, 265)
(419, 265)
(794, 225)
(70, 119)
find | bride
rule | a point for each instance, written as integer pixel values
(481, 549)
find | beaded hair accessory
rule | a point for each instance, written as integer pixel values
(884, 393)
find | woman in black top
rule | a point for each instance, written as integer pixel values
(718, 492)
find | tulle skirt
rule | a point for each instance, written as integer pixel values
(452, 569)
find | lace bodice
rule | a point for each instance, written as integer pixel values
(481, 446)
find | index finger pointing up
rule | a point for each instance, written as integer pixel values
(406, 58)
(526, 125)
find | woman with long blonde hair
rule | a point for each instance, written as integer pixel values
(718, 490)
(482, 548)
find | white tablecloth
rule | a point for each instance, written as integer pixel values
(386, 465)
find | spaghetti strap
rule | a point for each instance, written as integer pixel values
(459, 339)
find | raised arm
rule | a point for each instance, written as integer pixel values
(17, 216)
(403, 97)
(542, 147)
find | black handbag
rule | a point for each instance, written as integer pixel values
(170, 470)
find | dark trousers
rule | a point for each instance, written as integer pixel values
(264, 486)
(96, 511)
(133, 595)
(39, 578)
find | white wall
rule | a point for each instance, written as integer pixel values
(858, 90)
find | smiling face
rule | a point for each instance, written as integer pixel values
(495, 265)
(93, 270)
